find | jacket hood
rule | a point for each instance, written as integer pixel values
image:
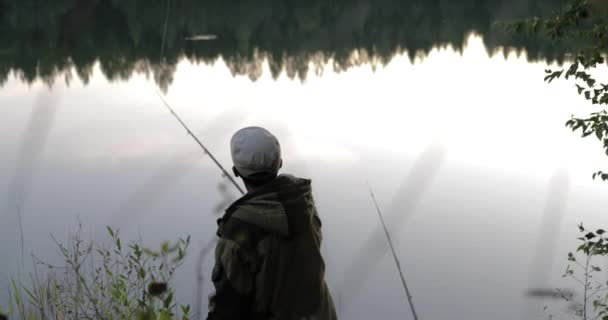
(265, 208)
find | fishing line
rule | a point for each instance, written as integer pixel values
(424, 170)
(390, 244)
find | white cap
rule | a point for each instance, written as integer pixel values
(255, 150)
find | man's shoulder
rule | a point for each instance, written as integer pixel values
(264, 214)
(265, 208)
(292, 179)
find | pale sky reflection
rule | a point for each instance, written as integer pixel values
(489, 111)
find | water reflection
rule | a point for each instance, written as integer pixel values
(422, 174)
(29, 158)
(50, 39)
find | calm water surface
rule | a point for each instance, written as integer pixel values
(480, 182)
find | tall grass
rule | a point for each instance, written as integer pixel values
(93, 281)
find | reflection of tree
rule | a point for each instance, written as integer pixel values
(46, 39)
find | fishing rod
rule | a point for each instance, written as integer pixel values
(205, 150)
(390, 244)
(181, 122)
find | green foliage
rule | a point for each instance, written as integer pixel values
(114, 281)
(594, 304)
(585, 28)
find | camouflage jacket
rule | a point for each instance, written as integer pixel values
(268, 264)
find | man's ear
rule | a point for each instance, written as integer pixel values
(281, 164)
(236, 172)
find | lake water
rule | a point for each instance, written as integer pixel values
(465, 147)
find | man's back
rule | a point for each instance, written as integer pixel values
(268, 259)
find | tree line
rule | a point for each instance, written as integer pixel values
(45, 39)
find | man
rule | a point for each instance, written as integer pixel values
(268, 263)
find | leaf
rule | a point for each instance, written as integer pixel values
(600, 231)
(586, 133)
(599, 134)
(31, 296)
(168, 300)
(579, 89)
(110, 231)
(164, 315)
(185, 309)
(151, 253)
(571, 257)
(570, 123)
(164, 247)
